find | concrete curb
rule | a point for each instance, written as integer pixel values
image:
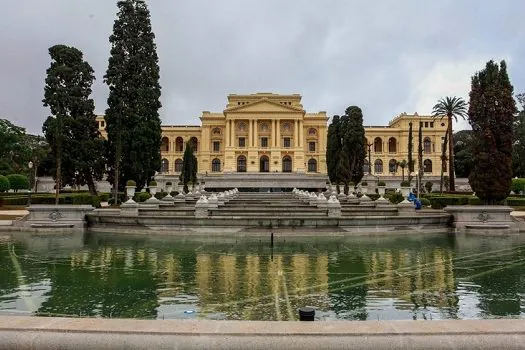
(90, 333)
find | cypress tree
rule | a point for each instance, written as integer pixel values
(354, 142)
(132, 117)
(333, 148)
(189, 167)
(420, 156)
(72, 131)
(491, 115)
(410, 162)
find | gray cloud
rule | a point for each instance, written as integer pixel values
(387, 57)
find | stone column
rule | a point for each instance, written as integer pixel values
(250, 133)
(274, 133)
(232, 133)
(296, 134)
(278, 132)
(227, 134)
(301, 133)
(255, 137)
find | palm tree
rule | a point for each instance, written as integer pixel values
(450, 107)
(403, 164)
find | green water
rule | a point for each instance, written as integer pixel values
(424, 277)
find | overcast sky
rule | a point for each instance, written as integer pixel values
(385, 56)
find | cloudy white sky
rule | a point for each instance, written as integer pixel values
(385, 56)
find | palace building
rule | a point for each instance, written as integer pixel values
(267, 140)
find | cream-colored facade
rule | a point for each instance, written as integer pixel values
(267, 132)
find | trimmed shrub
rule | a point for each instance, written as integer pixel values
(439, 202)
(518, 185)
(160, 195)
(18, 182)
(373, 196)
(381, 183)
(395, 197)
(112, 202)
(4, 184)
(141, 196)
(516, 202)
(104, 197)
(48, 198)
(405, 183)
(153, 183)
(131, 183)
(425, 202)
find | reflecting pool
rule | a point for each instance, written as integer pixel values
(365, 278)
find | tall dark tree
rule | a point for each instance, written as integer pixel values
(188, 172)
(333, 148)
(518, 146)
(463, 153)
(354, 143)
(450, 107)
(491, 115)
(410, 163)
(71, 130)
(132, 118)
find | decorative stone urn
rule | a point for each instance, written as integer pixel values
(130, 192)
(381, 190)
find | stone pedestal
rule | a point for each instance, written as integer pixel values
(201, 208)
(483, 219)
(56, 216)
(406, 208)
(129, 209)
(382, 202)
(321, 201)
(334, 207)
(364, 199)
(352, 199)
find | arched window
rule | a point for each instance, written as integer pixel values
(378, 145)
(164, 165)
(392, 166)
(241, 164)
(165, 144)
(216, 165)
(179, 144)
(178, 165)
(378, 166)
(194, 144)
(366, 167)
(427, 166)
(264, 164)
(392, 145)
(287, 164)
(312, 166)
(427, 145)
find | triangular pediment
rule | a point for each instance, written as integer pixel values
(263, 105)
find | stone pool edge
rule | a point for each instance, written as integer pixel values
(98, 333)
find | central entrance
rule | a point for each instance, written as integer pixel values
(264, 164)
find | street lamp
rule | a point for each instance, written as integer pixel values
(369, 157)
(30, 166)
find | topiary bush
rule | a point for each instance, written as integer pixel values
(395, 197)
(425, 202)
(153, 183)
(4, 184)
(141, 197)
(131, 183)
(104, 197)
(381, 183)
(18, 182)
(405, 183)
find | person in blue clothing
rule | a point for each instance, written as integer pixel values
(412, 198)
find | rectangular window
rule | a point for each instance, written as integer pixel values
(216, 146)
(264, 142)
(242, 142)
(426, 124)
(431, 124)
(286, 142)
(311, 146)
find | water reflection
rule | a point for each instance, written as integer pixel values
(353, 279)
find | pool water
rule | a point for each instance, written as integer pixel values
(352, 278)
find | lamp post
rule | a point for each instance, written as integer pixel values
(30, 166)
(369, 157)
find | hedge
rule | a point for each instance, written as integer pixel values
(18, 182)
(518, 185)
(141, 197)
(76, 198)
(4, 184)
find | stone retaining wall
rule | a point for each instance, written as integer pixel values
(88, 333)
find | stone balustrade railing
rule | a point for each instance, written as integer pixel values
(214, 201)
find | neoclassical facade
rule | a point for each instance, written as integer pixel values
(272, 133)
(258, 133)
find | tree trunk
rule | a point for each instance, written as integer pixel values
(451, 179)
(57, 182)
(91, 184)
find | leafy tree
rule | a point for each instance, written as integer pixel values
(463, 153)
(71, 130)
(410, 162)
(333, 148)
(14, 153)
(491, 115)
(18, 182)
(189, 167)
(450, 107)
(132, 117)
(4, 184)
